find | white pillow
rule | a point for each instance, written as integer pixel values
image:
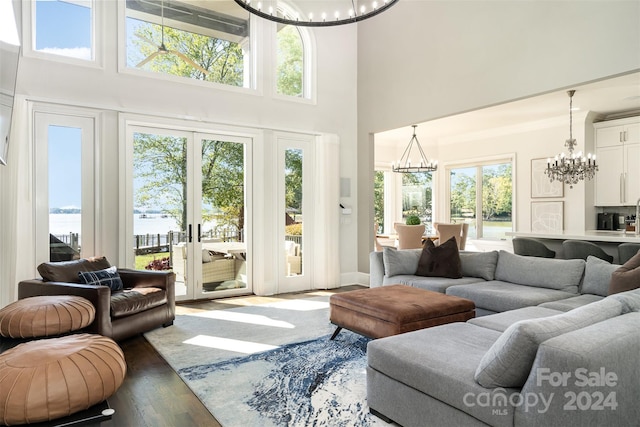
(206, 256)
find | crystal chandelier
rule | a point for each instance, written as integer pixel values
(317, 13)
(423, 165)
(573, 167)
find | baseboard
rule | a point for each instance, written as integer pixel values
(354, 278)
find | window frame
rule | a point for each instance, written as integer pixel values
(89, 122)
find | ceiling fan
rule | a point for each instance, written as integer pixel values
(162, 49)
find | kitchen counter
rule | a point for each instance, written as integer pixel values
(590, 235)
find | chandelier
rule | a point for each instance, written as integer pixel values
(404, 164)
(317, 13)
(573, 167)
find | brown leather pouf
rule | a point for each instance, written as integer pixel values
(45, 316)
(51, 378)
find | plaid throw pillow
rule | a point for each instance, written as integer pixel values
(107, 277)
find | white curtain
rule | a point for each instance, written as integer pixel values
(326, 265)
(16, 224)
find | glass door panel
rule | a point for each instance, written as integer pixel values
(463, 198)
(496, 201)
(65, 192)
(160, 204)
(65, 186)
(293, 230)
(222, 229)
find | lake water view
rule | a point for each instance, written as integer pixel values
(61, 224)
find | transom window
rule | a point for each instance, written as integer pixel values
(64, 28)
(180, 39)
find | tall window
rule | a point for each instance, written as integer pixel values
(185, 40)
(482, 196)
(65, 178)
(290, 56)
(64, 28)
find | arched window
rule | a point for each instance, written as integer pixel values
(290, 61)
(292, 58)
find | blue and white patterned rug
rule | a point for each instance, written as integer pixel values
(318, 382)
(293, 378)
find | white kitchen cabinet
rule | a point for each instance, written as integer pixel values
(618, 158)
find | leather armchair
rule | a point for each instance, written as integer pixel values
(146, 302)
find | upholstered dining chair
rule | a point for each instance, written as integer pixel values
(409, 236)
(446, 231)
(626, 251)
(581, 249)
(527, 246)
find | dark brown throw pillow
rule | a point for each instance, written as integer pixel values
(627, 277)
(440, 261)
(67, 271)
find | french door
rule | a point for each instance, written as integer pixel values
(189, 209)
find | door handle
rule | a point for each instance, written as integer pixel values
(199, 233)
(190, 234)
(621, 188)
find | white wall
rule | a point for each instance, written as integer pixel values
(110, 92)
(438, 58)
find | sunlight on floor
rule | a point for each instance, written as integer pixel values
(245, 347)
(254, 319)
(299, 305)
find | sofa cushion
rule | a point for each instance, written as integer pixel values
(67, 271)
(571, 303)
(436, 284)
(597, 275)
(400, 261)
(440, 261)
(627, 277)
(509, 360)
(501, 321)
(479, 264)
(560, 274)
(500, 296)
(440, 362)
(136, 300)
(107, 277)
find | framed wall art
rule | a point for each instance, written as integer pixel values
(547, 217)
(540, 184)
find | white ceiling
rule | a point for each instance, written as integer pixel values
(605, 97)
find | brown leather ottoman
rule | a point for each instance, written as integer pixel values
(395, 309)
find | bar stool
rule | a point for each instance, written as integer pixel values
(581, 249)
(626, 251)
(527, 246)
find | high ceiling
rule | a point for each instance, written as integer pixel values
(606, 97)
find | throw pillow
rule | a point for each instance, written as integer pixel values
(627, 277)
(67, 271)
(107, 277)
(479, 264)
(206, 256)
(398, 262)
(509, 360)
(597, 275)
(440, 261)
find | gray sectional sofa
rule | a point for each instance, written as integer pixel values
(549, 347)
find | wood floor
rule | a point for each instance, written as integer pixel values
(153, 394)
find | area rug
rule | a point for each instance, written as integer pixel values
(295, 375)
